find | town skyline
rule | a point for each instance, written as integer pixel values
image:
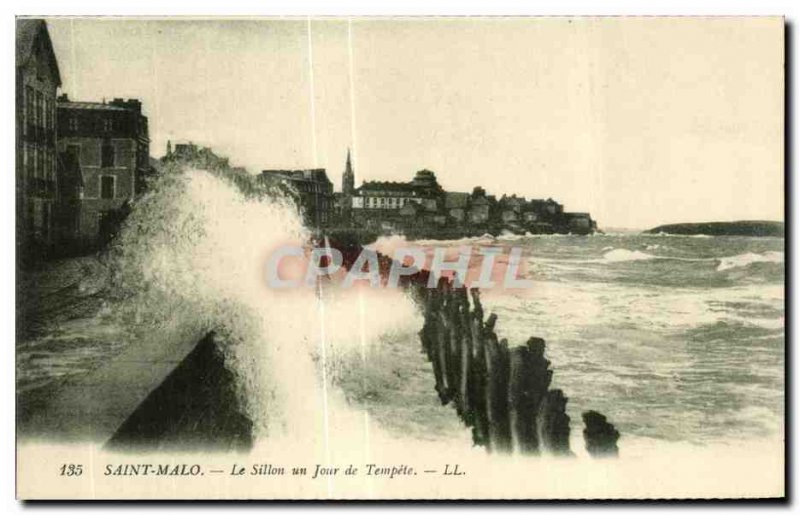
(559, 122)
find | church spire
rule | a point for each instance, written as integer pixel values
(348, 178)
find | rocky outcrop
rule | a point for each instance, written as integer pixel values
(741, 228)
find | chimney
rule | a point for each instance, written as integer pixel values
(132, 104)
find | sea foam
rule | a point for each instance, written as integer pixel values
(748, 258)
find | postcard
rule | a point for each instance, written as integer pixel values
(374, 258)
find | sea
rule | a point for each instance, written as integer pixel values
(676, 339)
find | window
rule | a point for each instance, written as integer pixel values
(108, 125)
(107, 155)
(107, 186)
(75, 151)
(73, 123)
(28, 104)
(36, 157)
(39, 109)
(46, 221)
(29, 100)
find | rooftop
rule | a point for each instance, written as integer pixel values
(117, 104)
(455, 199)
(309, 174)
(28, 29)
(89, 105)
(387, 185)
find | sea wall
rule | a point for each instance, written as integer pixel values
(92, 407)
(196, 406)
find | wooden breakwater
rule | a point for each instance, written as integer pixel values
(501, 392)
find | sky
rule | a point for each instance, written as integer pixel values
(638, 120)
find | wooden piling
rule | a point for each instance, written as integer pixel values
(501, 393)
(552, 423)
(600, 435)
(496, 394)
(521, 410)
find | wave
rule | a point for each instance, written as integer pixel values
(193, 252)
(748, 258)
(724, 263)
(510, 236)
(474, 240)
(616, 234)
(619, 255)
(672, 235)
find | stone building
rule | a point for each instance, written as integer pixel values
(579, 223)
(37, 83)
(110, 145)
(546, 209)
(311, 189)
(479, 207)
(456, 205)
(70, 196)
(386, 195)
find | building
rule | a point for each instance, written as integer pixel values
(419, 207)
(479, 207)
(202, 157)
(579, 223)
(396, 206)
(385, 195)
(70, 195)
(546, 209)
(311, 190)
(37, 83)
(456, 205)
(426, 184)
(110, 145)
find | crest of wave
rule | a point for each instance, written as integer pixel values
(191, 258)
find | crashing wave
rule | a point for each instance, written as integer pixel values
(192, 254)
(748, 258)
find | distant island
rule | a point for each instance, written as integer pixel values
(741, 228)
